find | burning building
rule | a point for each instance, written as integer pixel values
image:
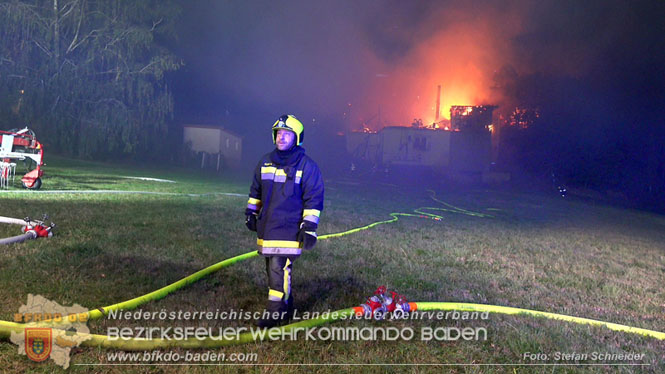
(523, 117)
(471, 118)
(464, 148)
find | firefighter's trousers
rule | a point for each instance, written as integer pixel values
(279, 280)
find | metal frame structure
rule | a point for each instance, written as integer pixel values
(21, 145)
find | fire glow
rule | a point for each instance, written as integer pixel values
(461, 54)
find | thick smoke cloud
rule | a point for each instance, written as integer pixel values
(593, 68)
(314, 58)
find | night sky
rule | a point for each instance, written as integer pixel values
(335, 64)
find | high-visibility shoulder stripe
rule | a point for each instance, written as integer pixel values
(311, 212)
(272, 173)
(272, 170)
(268, 172)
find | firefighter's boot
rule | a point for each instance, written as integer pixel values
(274, 315)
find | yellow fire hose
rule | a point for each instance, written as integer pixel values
(7, 327)
(104, 341)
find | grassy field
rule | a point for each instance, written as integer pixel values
(536, 251)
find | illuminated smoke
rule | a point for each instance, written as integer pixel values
(459, 48)
(314, 58)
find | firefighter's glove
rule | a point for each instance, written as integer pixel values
(250, 219)
(307, 234)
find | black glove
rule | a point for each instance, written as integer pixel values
(307, 234)
(250, 219)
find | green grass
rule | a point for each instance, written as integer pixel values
(537, 251)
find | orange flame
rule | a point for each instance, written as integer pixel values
(462, 57)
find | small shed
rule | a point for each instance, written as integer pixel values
(216, 144)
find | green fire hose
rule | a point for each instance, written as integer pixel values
(128, 344)
(7, 327)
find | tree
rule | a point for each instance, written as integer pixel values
(88, 75)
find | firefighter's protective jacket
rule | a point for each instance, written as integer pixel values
(285, 192)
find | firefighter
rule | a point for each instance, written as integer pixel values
(285, 202)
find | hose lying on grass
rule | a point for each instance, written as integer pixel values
(103, 341)
(18, 238)
(118, 192)
(216, 341)
(164, 291)
(31, 234)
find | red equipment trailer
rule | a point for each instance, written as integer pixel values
(22, 145)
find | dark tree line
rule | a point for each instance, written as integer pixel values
(88, 75)
(602, 125)
(591, 139)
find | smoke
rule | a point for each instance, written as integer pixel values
(480, 52)
(315, 58)
(490, 52)
(460, 47)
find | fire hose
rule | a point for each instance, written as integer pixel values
(103, 341)
(118, 192)
(96, 340)
(32, 230)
